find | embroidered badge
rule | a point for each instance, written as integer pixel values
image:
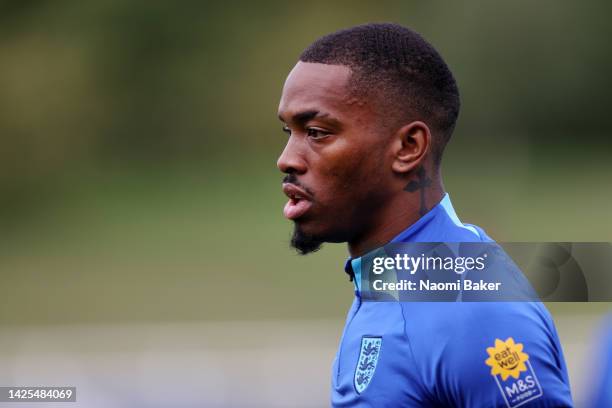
(513, 372)
(366, 365)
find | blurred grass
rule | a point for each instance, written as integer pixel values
(174, 245)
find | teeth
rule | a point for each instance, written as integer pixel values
(295, 196)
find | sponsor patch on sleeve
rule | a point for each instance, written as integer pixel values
(513, 372)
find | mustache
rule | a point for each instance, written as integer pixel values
(292, 179)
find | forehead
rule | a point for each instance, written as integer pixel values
(317, 87)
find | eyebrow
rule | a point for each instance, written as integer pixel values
(305, 116)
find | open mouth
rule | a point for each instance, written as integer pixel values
(298, 204)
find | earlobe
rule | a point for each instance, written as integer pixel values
(410, 146)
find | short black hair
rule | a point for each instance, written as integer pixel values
(401, 68)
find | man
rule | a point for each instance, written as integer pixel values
(368, 111)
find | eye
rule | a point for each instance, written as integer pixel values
(287, 130)
(316, 133)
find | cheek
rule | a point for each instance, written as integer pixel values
(353, 176)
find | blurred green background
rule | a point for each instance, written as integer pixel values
(142, 244)
(139, 141)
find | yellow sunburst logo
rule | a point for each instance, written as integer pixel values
(507, 359)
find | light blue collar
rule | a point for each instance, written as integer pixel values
(440, 224)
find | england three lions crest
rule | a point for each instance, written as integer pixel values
(366, 364)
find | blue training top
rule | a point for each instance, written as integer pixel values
(602, 390)
(448, 354)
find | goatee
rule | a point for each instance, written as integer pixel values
(304, 243)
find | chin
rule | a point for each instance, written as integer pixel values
(321, 233)
(303, 241)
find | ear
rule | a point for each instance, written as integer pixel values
(410, 146)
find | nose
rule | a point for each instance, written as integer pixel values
(291, 160)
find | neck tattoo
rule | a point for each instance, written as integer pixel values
(420, 184)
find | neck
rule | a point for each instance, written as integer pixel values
(406, 208)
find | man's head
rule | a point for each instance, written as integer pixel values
(365, 108)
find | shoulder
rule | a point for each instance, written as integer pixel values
(481, 354)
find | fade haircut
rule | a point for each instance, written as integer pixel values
(397, 69)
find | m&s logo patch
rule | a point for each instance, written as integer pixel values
(513, 372)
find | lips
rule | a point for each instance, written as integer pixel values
(299, 201)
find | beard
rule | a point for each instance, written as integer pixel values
(304, 243)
